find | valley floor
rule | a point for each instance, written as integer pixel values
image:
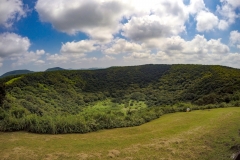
(200, 135)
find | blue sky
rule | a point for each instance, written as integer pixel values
(39, 34)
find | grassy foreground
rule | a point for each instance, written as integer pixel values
(205, 134)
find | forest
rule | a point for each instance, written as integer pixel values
(81, 101)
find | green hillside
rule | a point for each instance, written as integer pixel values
(88, 100)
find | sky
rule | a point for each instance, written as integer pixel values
(76, 34)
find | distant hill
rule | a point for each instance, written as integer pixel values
(54, 69)
(94, 68)
(15, 72)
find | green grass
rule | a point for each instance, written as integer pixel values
(200, 135)
(12, 80)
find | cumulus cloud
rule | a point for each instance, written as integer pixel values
(29, 57)
(123, 46)
(74, 51)
(12, 44)
(228, 12)
(200, 45)
(138, 56)
(148, 27)
(233, 3)
(61, 59)
(235, 38)
(65, 58)
(82, 46)
(10, 11)
(167, 18)
(101, 19)
(223, 25)
(177, 50)
(206, 21)
(16, 49)
(97, 18)
(107, 58)
(196, 6)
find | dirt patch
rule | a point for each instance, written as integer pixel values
(98, 155)
(133, 149)
(58, 155)
(127, 158)
(83, 156)
(113, 153)
(19, 153)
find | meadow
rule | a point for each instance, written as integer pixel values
(202, 134)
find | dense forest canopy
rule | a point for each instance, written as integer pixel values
(129, 95)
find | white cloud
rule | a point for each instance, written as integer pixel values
(65, 58)
(123, 46)
(40, 52)
(99, 19)
(82, 46)
(233, 3)
(149, 27)
(39, 62)
(10, 11)
(223, 25)
(1, 62)
(206, 21)
(29, 57)
(15, 48)
(69, 59)
(177, 50)
(138, 56)
(55, 58)
(72, 52)
(201, 46)
(235, 38)
(196, 6)
(231, 59)
(167, 18)
(107, 58)
(174, 43)
(12, 44)
(198, 46)
(228, 11)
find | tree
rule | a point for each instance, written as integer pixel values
(2, 94)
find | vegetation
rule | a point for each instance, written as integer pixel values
(198, 135)
(88, 100)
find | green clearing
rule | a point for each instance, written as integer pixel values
(108, 106)
(201, 135)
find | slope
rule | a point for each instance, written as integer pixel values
(198, 135)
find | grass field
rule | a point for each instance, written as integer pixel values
(202, 135)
